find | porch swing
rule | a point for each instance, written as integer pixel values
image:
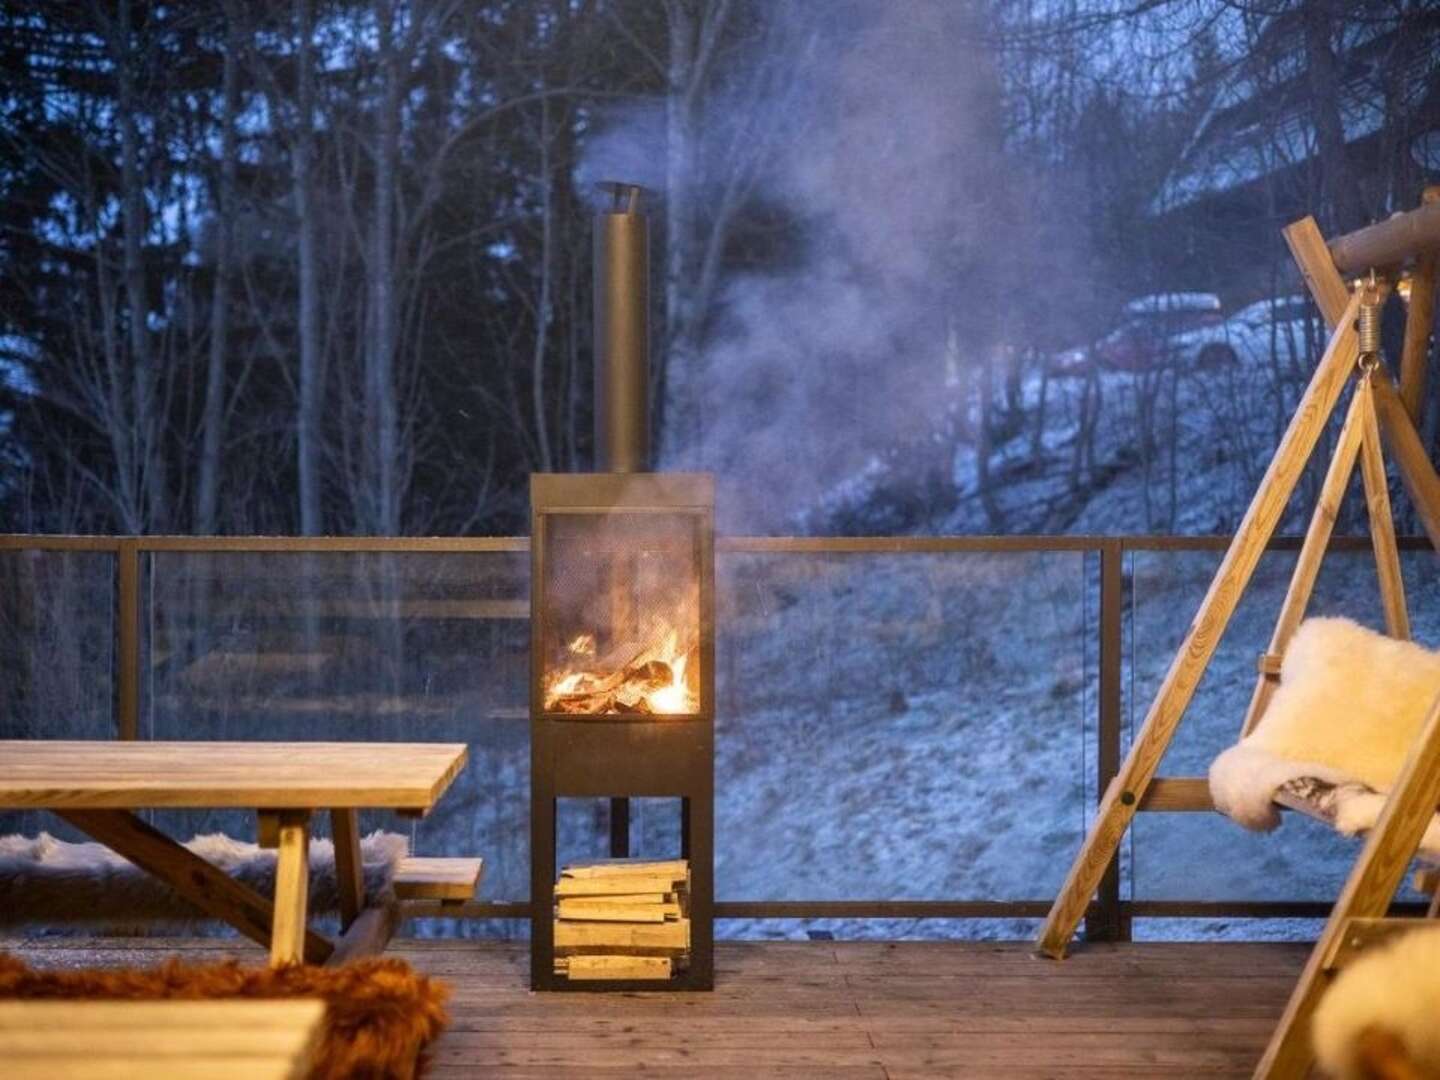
(1331, 783)
(1341, 704)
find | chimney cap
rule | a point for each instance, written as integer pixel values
(625, 196)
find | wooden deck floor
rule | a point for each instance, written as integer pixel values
(845, 1011)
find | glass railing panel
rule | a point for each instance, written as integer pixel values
(57, 655)
(902, 726)
(355, 646)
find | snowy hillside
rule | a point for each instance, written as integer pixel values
(1170, 450)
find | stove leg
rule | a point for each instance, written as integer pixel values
(619, 828)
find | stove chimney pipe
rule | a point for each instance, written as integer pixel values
(622, 332)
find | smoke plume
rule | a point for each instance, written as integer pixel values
(878, 121)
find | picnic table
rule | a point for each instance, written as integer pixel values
(97, 786)
(143, 1040)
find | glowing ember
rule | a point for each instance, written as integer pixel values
(653, 681)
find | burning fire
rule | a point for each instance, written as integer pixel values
(653, 681)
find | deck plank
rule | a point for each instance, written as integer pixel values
(841, 1010)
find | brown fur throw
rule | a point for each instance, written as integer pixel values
(44, 880)
(379, 1017)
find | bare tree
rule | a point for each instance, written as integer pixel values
(212, 422)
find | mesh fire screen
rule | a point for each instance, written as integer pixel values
(620, 618)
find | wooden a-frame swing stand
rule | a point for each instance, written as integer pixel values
(1378, 252)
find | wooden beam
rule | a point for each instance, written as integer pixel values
(1326, 285)
(1117, 809)
(1307, 564)
(1419, 322)
(1416, 470)
(1178, 794)
(292, 889)
(1390, 242)
(349, 868)
(128, 633)
(1371, 886)
(205, 886)
(1382, 521)
(368, 934)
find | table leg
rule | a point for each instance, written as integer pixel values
(349, 870)
(208, 888)
(292, 886)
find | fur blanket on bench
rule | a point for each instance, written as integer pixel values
(1350, 705)
(44, 880)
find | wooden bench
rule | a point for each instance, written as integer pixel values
(447, 880)
(143, 1040)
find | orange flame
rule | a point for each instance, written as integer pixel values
(654, 681)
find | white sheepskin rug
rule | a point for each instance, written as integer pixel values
(1350, 705)
(1396, 991)
(44, 880)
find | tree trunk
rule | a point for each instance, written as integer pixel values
(994, 512)
(302, 152)
(674, 391)
(542, 309)
(1339, 187)
(146, 511)
(212, 421)
(380, 407)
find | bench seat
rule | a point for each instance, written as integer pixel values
(446, 879)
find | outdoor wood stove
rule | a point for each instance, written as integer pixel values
(622, 661)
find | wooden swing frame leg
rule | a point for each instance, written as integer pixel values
(1308, 562)
(1122, 797)
(1368, 891)
(1382, 517)
(1416, 472)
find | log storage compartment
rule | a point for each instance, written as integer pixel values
(622, 919)
(622, 693)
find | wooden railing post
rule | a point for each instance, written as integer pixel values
(127, 639)
(1105, 922)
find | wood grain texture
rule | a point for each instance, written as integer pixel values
(837, 1010)
(292, 889)
(145, 1039)
(349, 870)
(1416, 470)
(1117, 808)
(1419, 323)
(1178, 794)
(1308, 562)
(1368, 890)
(438, 878)
(208, 888)
(368, 934)
(1312, 255)
(53, 774)
(1382, 520)
(1388, 242)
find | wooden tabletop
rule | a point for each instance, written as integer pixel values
(142, 1040)
(53, 774)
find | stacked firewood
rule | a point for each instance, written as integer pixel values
(625, 691)
(622, 919)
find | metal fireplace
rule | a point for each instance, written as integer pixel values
(622, 652)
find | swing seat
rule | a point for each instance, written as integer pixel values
(1350, 704)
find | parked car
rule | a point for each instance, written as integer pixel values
(1255, 334)
(1187, 330)
(1153, 331)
